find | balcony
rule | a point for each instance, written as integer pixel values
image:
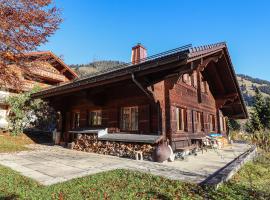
(28, 85)
(47, 74)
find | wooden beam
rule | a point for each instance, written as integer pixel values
(205, 61)
(199, 92)
(217, 78)
(238, 116)
(63, 70)
(227, 96)
(222, 100)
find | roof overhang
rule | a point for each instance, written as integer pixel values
(212, 60)
(163, 65)
(215, 64)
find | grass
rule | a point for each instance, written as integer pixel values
(252, 182)
(10, 143)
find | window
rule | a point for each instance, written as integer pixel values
(181, 117)
(199, 119)
(194, 79)
(129, 118)
(222, 123)
(203, 87)
(187, 79)
(76, 120)
(95, 118)
(212, 123)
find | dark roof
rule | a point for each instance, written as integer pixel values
(188, 51)
(185, 54)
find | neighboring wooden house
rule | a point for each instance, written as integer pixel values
(40, 68)
(180, 95)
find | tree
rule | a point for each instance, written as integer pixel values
(234, 125)
(24, 25)
(25, 111)
(254, 123)
(259, 104)
(266, 116)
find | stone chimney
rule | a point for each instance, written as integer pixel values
(138, 53)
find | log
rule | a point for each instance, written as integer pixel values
(90, 143)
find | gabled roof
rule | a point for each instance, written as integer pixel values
(179, 60)
(54, 60)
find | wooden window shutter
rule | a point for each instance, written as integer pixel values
(144, 119)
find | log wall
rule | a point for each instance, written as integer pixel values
(183, 95)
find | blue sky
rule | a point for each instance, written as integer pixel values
(107, 29)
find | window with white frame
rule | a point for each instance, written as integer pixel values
(221, 123)
(200, 122)
(212, 123)
(181, 117)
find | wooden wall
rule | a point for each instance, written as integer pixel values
(110, 101)
(185, 96)
(156, 116)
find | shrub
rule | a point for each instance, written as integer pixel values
(261, 139)
(25, 112)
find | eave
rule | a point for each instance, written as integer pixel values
(174, 62)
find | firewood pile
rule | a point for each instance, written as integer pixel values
(90, 143)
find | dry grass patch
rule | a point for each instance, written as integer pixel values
(10, 143)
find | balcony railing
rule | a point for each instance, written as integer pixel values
(28, 85)
(46, 74)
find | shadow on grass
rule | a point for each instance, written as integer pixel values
(10, 197)
(39, 137)
(155, 195)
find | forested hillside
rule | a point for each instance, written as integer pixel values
(247, 83)
(85, 69)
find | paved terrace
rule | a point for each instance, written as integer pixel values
(53, 164)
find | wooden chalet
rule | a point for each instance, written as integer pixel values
(38, 68)
(180, 95)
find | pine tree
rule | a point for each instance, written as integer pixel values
(254, 123)
(266, 118)
(259, 104)
(257, 118)
(234, 125)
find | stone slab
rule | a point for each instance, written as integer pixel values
(53, 164)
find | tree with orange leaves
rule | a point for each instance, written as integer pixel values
(24, 25)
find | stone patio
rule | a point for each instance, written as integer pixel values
(53, 164)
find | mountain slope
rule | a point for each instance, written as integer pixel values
(85, 69)
(247, 83)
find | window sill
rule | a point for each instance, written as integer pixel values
(181, 132)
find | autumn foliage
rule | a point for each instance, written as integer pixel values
(24, 25)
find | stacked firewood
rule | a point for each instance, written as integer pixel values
(90, 143)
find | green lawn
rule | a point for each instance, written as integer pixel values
(123, 184)
(10, 143)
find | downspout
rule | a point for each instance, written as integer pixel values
(149, 96)
(141, 87)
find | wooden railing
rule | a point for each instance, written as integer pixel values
(28, 85)
(46, 74)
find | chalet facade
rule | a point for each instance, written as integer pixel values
(178, 96)
(43, 69)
